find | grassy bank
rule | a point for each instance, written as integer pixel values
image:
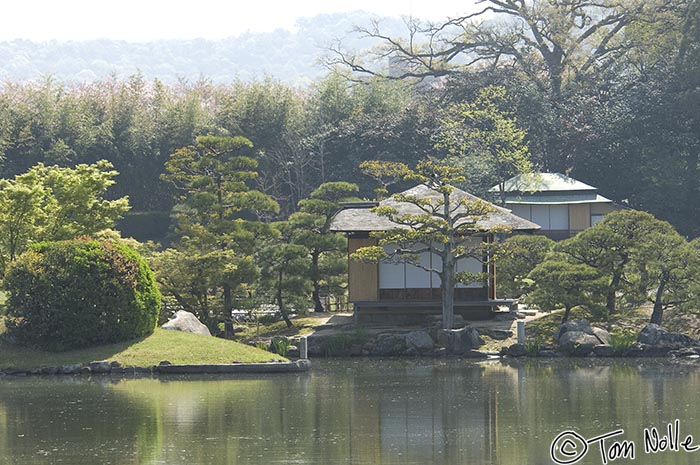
(173, 346)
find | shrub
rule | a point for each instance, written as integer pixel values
(80, 293)
(280, 346)
(622, 339)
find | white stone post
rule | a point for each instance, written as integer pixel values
(521, 332)
(303, 348)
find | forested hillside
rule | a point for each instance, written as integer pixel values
(609, 95)
(291, 56)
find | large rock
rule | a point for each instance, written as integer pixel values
(658, 336)
(577, 343)
(419, 340)
(603, 350)
(389, 344)
(516, 350)
(187, 323)
(581, 326)
(602, 335)
(459, 341)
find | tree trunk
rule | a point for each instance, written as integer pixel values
(280, 302)
(567, 311)
(610, 298)
(448, 291)
(228, 308)
(448, 281)
(658, 314)
(316, 294)
(447, 277)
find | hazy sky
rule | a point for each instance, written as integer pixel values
(140, 20)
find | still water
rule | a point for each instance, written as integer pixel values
(351, 412)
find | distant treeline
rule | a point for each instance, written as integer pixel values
(629, 126)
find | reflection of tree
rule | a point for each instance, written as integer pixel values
(428, 411)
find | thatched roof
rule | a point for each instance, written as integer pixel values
(354, 218)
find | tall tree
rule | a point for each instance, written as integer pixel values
(553, 43)
(326, 250)
(220, 209)
(285, 271)
(611, 245)
(669, 269)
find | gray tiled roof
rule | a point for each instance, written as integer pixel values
(356, 219)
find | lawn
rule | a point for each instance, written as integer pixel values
(173, 346)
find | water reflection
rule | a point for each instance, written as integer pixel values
(346, 412)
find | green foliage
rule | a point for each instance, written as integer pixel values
(261, 345)
(483, 138)
(218, 224)
(74, 294)
(310, 229)
(622, 339)
(533, 348)
(559, 283)
(52, 203)
(285, 277)
(443, 222)
(515, 258)
(611, 246)
(280, 346)
(641, 257)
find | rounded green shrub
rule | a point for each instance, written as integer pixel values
(80, 293)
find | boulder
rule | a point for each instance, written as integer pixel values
(646, 350)
(419, 340)
(577, 343)
(100, 367)
(459, 341)
(51, 370)
(187, 323)
(658, 336)
(602, 335)
(70, 369)
(685, 352)
(603, 350)
(580, 326)
(389, 344)
(517, 350)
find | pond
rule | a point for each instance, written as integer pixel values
(355, 411)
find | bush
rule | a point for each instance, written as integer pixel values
(80, 293)
(622, 339)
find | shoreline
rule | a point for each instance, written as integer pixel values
(107, 368)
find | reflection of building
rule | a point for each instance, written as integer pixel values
(409, 291)
(560, 205)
